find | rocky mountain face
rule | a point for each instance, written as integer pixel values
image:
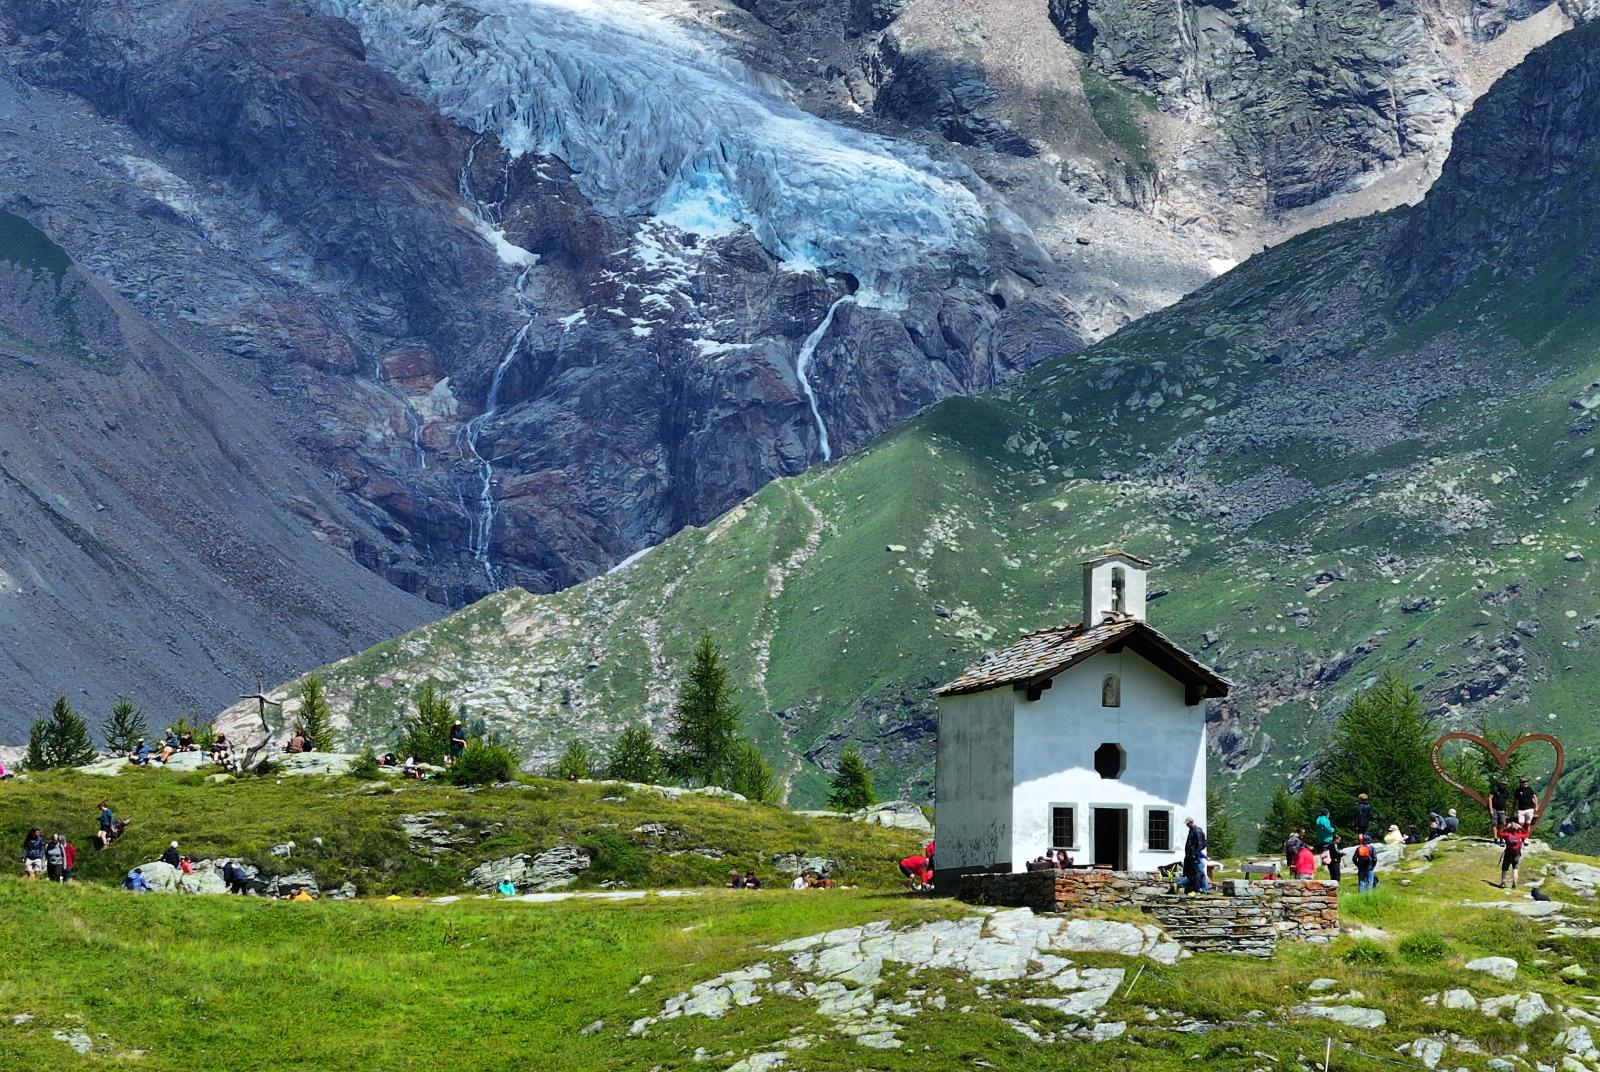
(1367, 449)
(515, 290)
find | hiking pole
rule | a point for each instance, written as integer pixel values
(1327, 1054)
(1131, 985)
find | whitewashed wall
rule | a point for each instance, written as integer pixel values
(1053, 757)
(972, 789)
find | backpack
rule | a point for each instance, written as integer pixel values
(1363, 852)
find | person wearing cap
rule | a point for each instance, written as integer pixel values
(1394, 836)
(1363, 814)
(140, 756)
(458, 740)
(1511, 858)
(172, 857)
(1194, 850)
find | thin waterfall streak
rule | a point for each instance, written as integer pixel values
(802, 370)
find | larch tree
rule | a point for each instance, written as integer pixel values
(425, 734)
(314, 718)
(574, 761)
(852, 783)
(705, 729)
(1382, 745)
(635, 758)
(751, 776)
(59, 739)
(123, 727)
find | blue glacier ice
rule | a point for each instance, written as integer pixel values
(655, 119)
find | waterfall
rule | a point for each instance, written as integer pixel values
(480, 516)
(802, 366)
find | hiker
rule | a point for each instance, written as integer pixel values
(458, 743)
(1333, 858)
(1527, 805)
(388, 760)
(69, 854)
(1443, 825)
(169, 744)
(735, 880)
(750, 880)
(1365, 857)
(172, 857)
(1499, 796)
(297, 744)
(235, 877)
(800, 882)
(1291, 848)
(186, 865)
(222, 751)
(33, 853)
(507, 888)
(1511, 858)
(1324, 827)
(137, 882)
(1194, 850)
(108, 823)
(140, 756)
(1363, 814)
(302, 895)
(55, 859)
(1394, 836)
(1305, 864)
(186, 742)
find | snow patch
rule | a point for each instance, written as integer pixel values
(508, 252)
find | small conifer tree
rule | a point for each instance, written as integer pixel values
(751, 776)
(635, 757)
(852, 783)
(59, 739)
(706, 729)
(1382, 744)
(1282, 819)
(426, 732)
(123, 727)
(314, 718)
(574, 761)
(1221, 838)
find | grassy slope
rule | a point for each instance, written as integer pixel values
(364, 844)
(1329, 487)
(236, 984)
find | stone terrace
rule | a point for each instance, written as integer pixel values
(1247, 917)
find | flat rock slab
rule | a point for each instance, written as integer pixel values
(1583, 879)
(1502, 968)
(1349, 1015)
(1535, 909)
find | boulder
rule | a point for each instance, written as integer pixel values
(895, 814)
(790, 863)
(549, 870)
(292, 883)
(109, 766)
(303, 763)
(1502, 968)
(1582, 879)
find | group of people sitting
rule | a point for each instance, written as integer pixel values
(746, 881)
(1052, 860)
(173, 742)
(411, 768)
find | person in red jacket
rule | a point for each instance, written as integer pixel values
(918, 870)
(1512, 837)
(70, 851)
(1305, 862)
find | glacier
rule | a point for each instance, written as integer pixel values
(654, 119)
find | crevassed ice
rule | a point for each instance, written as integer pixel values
(653, 119)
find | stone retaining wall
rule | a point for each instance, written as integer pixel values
(1247, 917)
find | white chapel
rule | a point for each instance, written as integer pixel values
(1089, 738)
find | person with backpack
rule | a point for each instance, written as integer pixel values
(1291, 849)
(137, 882)
(107, 824)
(33, 853)
(1527, 805)
(1363, 814)
(1511, 859)
(235, 877)
(1365, 857)
(172, 857)
(1194, 850)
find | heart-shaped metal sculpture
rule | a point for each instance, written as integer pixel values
(1502, 758)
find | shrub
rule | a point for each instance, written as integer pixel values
(483, 764)
(751, 776)
(1424, 947)
(1366, 953)
(635, 757)
(612, 856)
(365, 766)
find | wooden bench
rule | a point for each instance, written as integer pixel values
(1264, 868)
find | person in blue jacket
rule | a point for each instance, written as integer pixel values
(136, 882)
(140, 756)
(1324, 830)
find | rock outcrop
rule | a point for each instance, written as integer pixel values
(548, 870)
